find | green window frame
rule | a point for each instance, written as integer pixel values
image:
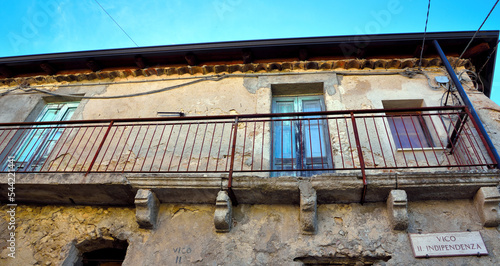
(37, 143)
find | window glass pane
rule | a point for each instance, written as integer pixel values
(284, 107)
(49, 115)
(313, 140)
(284, 139)
(313, 136)
(409, 131)
(67, 115)
(311, 105)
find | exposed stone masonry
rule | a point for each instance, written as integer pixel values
(397, 207)
(263, 235)
(223, 216)
(235, 68)
(146, 204)
(486, 201)
(308, 208)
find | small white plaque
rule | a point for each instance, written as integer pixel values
(447, 244)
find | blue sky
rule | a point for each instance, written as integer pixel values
(50, 26)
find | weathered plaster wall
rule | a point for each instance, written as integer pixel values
(489, 113)
(262, 235)
(226, 96)
(235, 95)
(11, 111)
(247, 95)
(368, 91)
(239, 95)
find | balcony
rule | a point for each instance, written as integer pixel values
(361, 143)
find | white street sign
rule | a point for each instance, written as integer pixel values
(447, 244)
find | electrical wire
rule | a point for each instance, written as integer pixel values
(8, 91)
(488, 58)
(455, 100)
(217, 76)
(117, 23)
(474, 36)
(425, 32)
(411, 73)
(26, 88)
(429, 80)
(473, 77)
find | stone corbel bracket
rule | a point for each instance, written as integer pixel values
(486, 201)
(223, 216)
(146, 208)
(308, 208)
(397, 207)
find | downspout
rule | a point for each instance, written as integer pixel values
(467, 102)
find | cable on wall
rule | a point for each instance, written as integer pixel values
(28, 89)
(470, 76)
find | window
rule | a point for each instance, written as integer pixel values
(409, 129)
(106, 251)
(104, 257)
(343, 261)
(34, 145)
(299, 142)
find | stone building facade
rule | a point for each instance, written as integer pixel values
(190, 155)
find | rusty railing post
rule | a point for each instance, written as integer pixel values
(231, 166)
(360, 155)
(99, 148)
(483, 139)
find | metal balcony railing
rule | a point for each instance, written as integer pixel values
(279, 144)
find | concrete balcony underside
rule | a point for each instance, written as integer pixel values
(120, 189)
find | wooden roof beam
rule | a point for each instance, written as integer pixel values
(247, 56)
(303, 54)
(191, 59)
(93, 65)
(48, 68)
(480, 48)
(140, 62)
(5, 71)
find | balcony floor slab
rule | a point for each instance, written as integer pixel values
(119, 189)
